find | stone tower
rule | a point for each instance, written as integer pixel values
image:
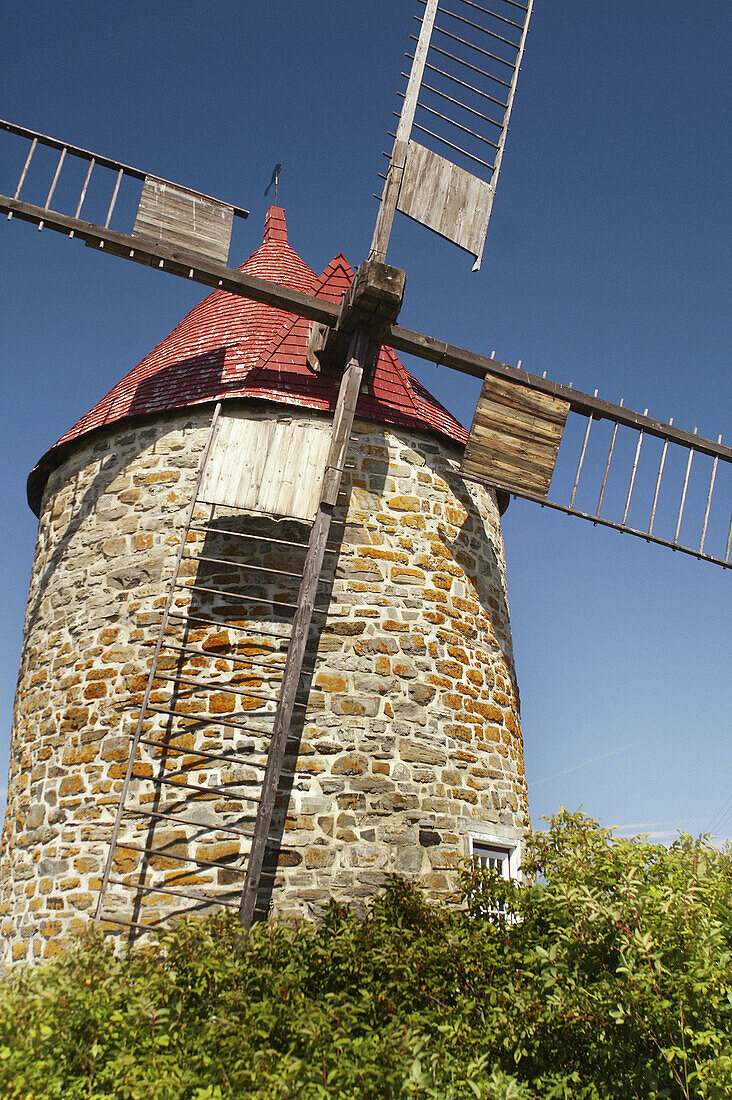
(407, 754)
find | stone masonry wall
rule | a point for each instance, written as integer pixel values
(410, 741)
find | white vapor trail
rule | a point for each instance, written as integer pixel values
(584, 764)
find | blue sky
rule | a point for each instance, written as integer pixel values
(606, 265)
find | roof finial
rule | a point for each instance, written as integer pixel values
(275, 180)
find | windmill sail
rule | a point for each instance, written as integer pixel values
(603, 463)
(166, 213)
(458, 100)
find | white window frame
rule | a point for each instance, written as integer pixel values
(482, 843)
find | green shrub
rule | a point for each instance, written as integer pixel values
(607, 977)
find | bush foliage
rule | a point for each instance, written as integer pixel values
(608, 975)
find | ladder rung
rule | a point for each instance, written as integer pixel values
(182, 859)
(257, 538)
(223, 625)
(141, 887)
(217, 756)
(199, 752)
(216, 791)
(197, 824)
(241, 565)
(191, 681)
(133, 923)
(186, 821)
(209, 721)
(244, 596)
(221, 656)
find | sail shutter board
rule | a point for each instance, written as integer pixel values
(445, 198)
(515, 437)
(267, 466)
(184, 219)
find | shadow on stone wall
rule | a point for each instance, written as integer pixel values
(243, 597)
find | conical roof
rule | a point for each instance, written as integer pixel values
(230, 347)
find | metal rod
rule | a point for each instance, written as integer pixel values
(486, 11)
(632, 476)
(729, 541)
(86, 184)
(141, 887)
(56, 174)
(151, 677)
(709, 500)
(477, 27)
(607, 465)
(464, 106)
(451, 145)
(114, 199)
(262, 512)
(581, 460)
(683, 493)
(459, 125)
(478, 49)
(658, 486)
(467, 64)
(145, 928)
(23, 174)
(463, 84)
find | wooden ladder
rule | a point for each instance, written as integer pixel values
(218, 702)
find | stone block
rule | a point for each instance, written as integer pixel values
(351, 764)
(420, 753)
(372, 856)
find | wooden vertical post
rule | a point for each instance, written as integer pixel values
(342, 424)
(395, 171)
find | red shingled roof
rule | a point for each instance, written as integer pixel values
(230, 347)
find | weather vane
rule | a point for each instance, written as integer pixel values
(275, 179)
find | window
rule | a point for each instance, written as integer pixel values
(495, 854)
(495, 859)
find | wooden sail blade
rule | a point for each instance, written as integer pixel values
(445, 198)
(515, 437)
(459, 98)
(184, 219)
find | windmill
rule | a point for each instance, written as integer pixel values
(547, 405)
